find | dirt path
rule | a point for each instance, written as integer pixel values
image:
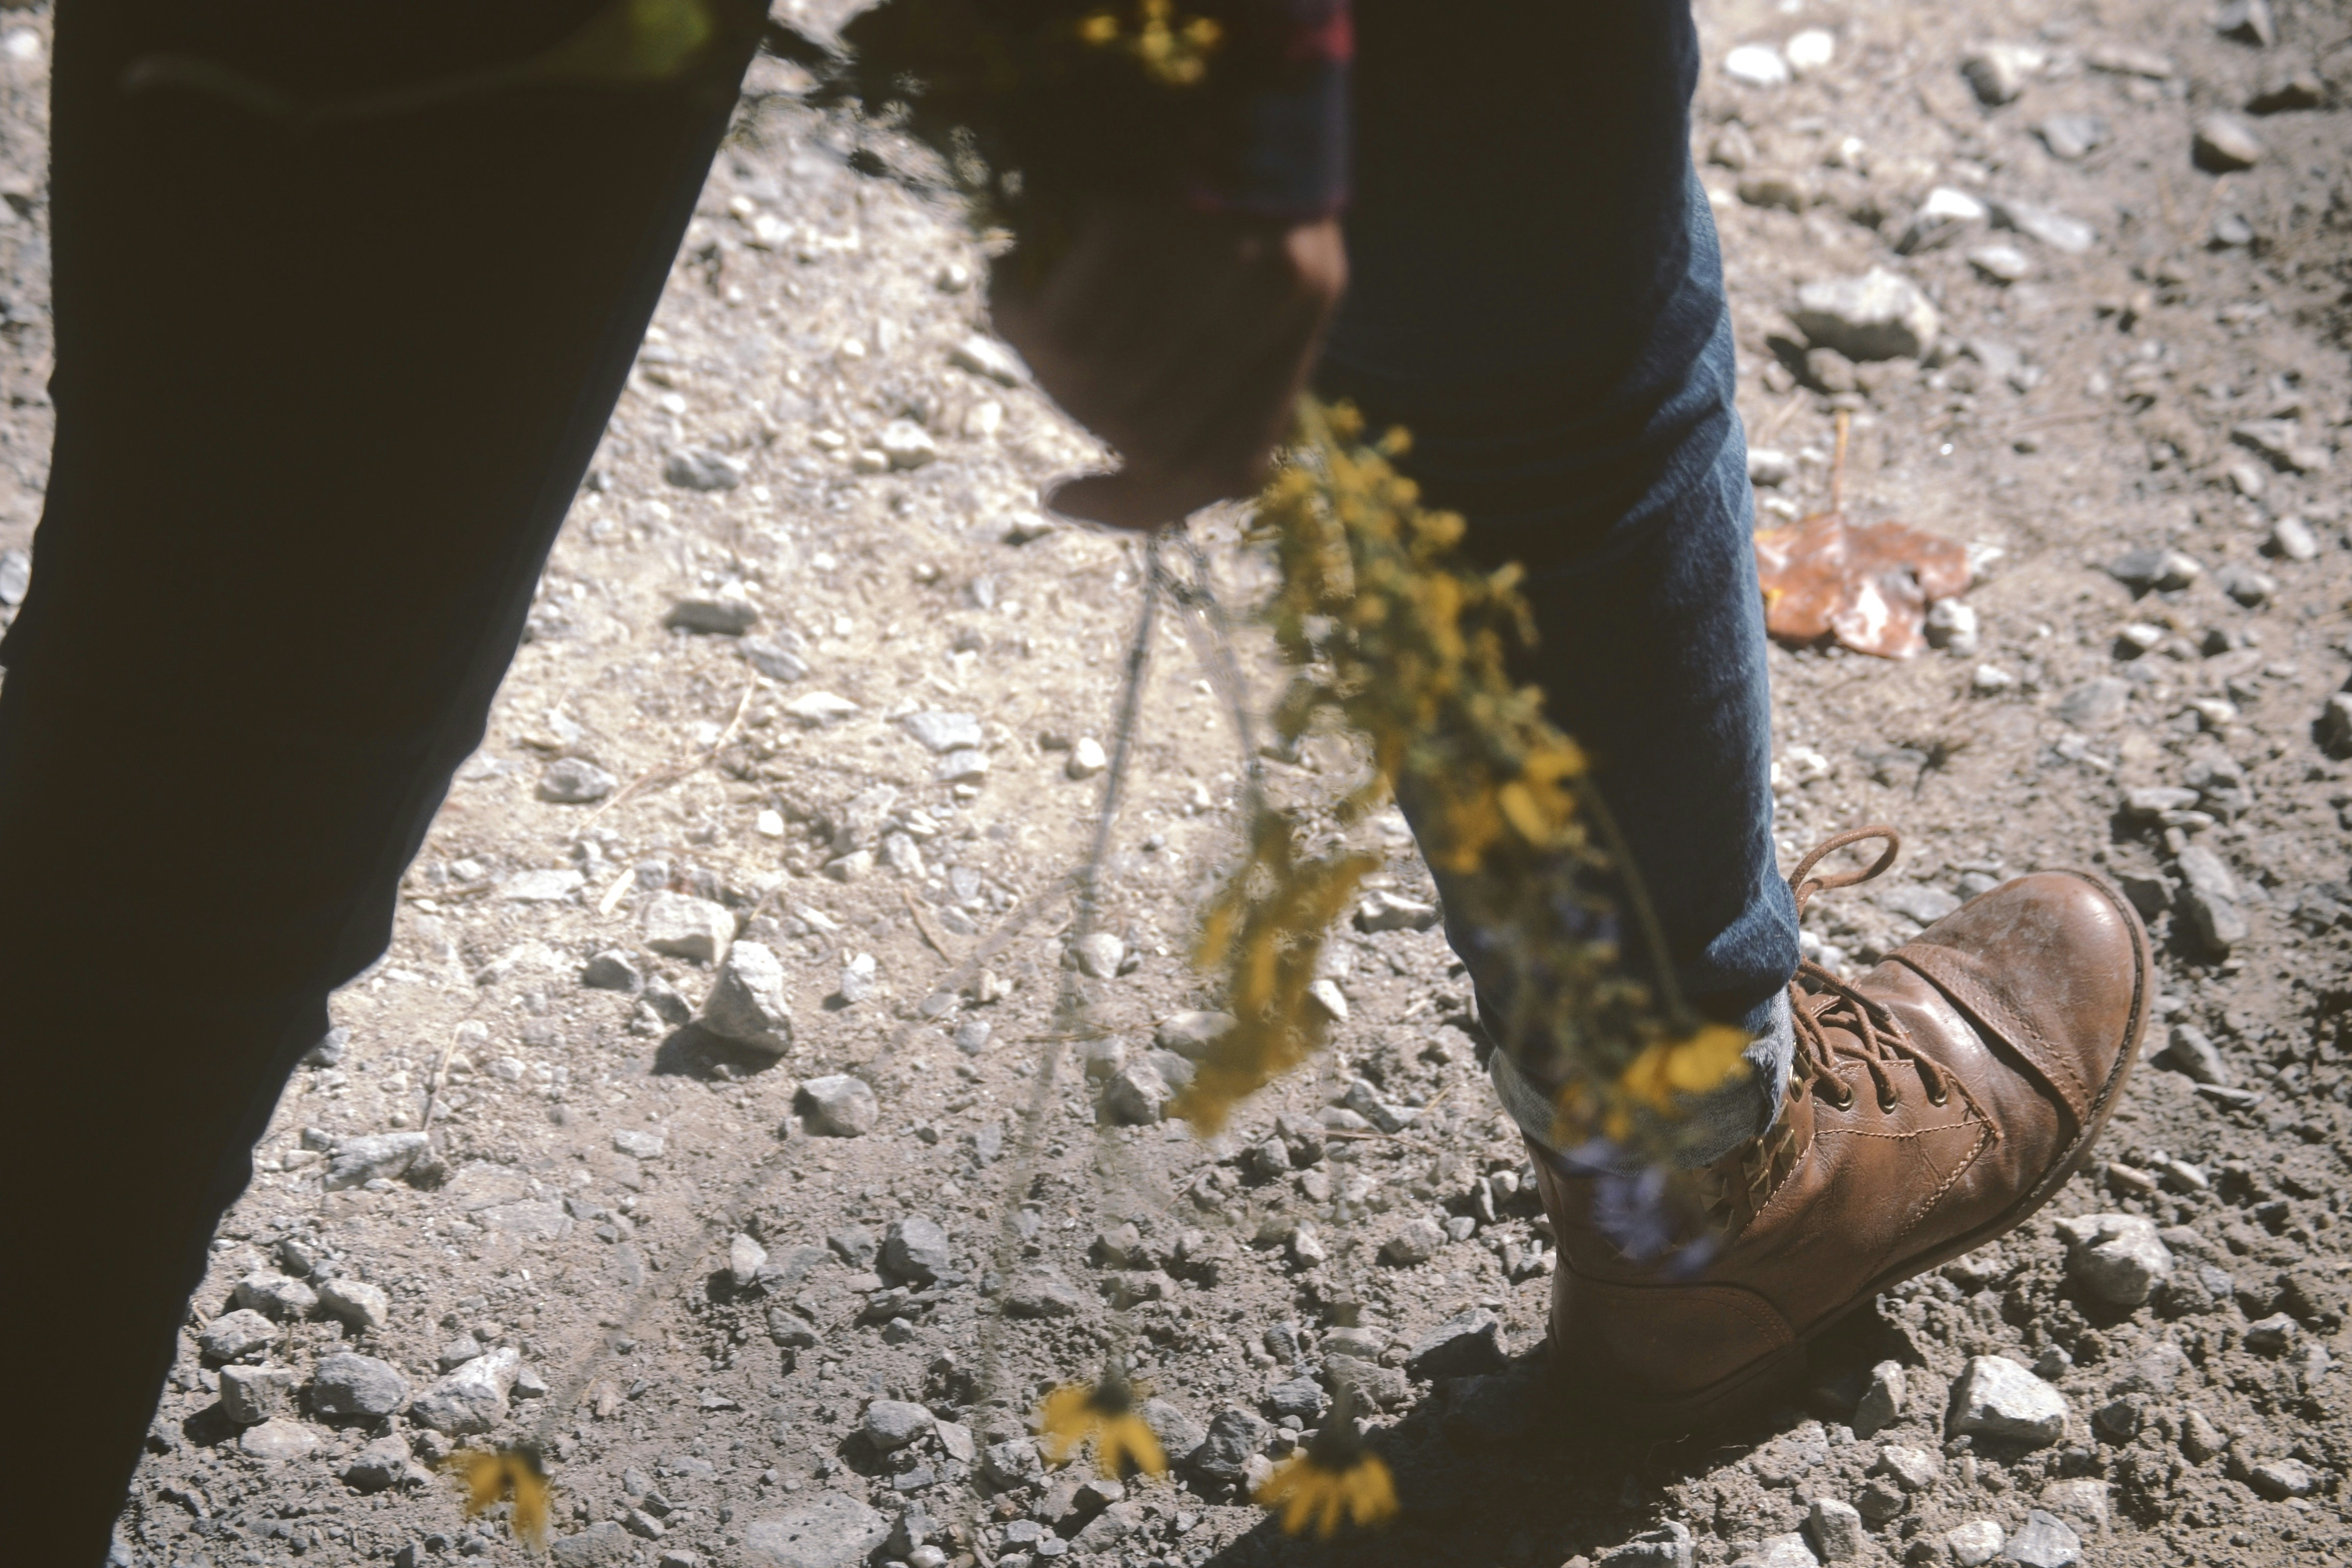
(889, 753)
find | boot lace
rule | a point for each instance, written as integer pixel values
(1836, 1023)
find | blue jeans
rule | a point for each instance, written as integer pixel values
(1538, 295)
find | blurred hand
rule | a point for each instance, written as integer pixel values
(1183, 339)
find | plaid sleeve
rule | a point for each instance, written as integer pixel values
(1275, 132)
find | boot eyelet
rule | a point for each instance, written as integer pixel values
(1939, 1096)
(1886, 1104)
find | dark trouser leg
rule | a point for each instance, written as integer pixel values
(324, 401)
(1538, 297)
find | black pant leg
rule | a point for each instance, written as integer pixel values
(323, 399)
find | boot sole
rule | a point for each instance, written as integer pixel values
(1729, 1395)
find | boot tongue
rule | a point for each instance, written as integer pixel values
(1743, 1181)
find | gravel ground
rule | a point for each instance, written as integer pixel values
(812, 704)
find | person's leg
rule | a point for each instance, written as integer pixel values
(1537, 295)
(324, 397)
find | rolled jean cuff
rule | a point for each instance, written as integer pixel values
(1713, 1124)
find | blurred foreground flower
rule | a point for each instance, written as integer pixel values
(496, 1474)
(1104, 1411)
(1337, 1480)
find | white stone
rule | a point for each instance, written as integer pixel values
(541, 886)
(1882, 1400)
(638, 1144)
(1914, 1470)
(1790, 1551)
(2115, 1257)
(1953, 626)
(1836, 1529)
(747, 1003)
(1326, 994)
(1973, 1544)
(1879, 315)
(744, 1257)
(1098, 955)
(685, 927)
(365, 1307)
(1756, 65)
(1087, 759)
(1996, 73)
(1810, 50)
(1999, 1399)
(1383, 911)
(943, 732)
(907, 444)
(1941, 215)
(280, 1440)
(473, 1397)
(816, 708)
(1192, 1034)
(1136, 1096)
(986, 357)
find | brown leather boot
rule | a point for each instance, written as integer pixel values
(1937, 1101)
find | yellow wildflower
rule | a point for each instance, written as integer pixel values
(1105, 1412)
(494, 1475)
(1336, 1481)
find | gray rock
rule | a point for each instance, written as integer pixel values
(1098, 955)
(1233, 1438)
(348, 1384)
(16, 576)
(972, 1035)
(1299, 1397)
(604, 1544)
(1365, 1102)
(357, 1161)
(748, 1003)
(2282, 442)
(2292, 540)
(1136, 1096)
(2142, 570)
(1996, 73)
(745, 1258)
(542, 886)
(986, 357)
(1791, 1550)
(2072, 136)
(1836, 1529)
(2223, 142)
(891, 1424)
(685, 927)
(613, 970)
(1973, 1544)
(241, 1335)
(252, 1394)
(2248, 22)
(916, 1249)
(2001, 263)
(700, 468)
(2044, 1541)
(639, 1144)
(1913, 1469)
(1879, 315)
(471, 1399)
(2334, 726)
(776, 662)
(1416, 1241)
(279, 1440)
(2209, 897)
(1014, 1462)
(1918, 902)
(1997, 1399)
(2273, 1335)
(966, 765)
(2082, 1499)
(365, 1307)
(906, 444)
(2289, 85)
(943, 732)
(729, 613)
(1043, 1296)
(1881, 1404)
(839, 1105)
(858, 980)
(1192, 1034)
(1462, 1346)
(571, 781)
(1178, 1432)
(1383, 911)
(382, 1464)
(1668, 1546)
(2116, 1258)
(2095, 704)
(2054, 229)
(328, 1051)
(856, 1245)
(278, 1295)
(2279, 1479)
